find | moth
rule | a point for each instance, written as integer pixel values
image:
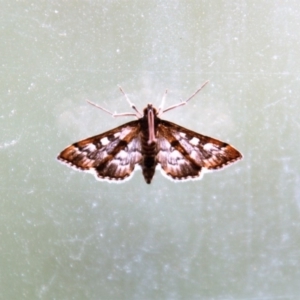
(149, 143)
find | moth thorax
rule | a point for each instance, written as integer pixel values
(148, 108)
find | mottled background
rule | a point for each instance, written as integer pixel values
(233, 235)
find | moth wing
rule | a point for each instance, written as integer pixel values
(111, 155)
(183, 153)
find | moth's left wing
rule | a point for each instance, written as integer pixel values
(183, 153)
(111, 155)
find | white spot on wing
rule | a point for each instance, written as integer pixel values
(125, 132)
(210, 147)
(122, 155)
(90, 147)
(194, 141)
(104, 141)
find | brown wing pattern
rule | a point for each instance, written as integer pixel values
(183, 153)
(111, 155)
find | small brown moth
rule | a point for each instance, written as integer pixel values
(149, 142)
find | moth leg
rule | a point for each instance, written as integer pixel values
(160, 109)
(109, 112)
(186, 101)
(132, 105)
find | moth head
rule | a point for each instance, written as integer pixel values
(150, 109)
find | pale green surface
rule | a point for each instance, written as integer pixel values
(233, 235)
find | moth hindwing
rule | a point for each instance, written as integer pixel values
(149, 142)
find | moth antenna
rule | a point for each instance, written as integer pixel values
(132, 105)
(188, 99)
(109, 112)
(160, 109)
(100, 107)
